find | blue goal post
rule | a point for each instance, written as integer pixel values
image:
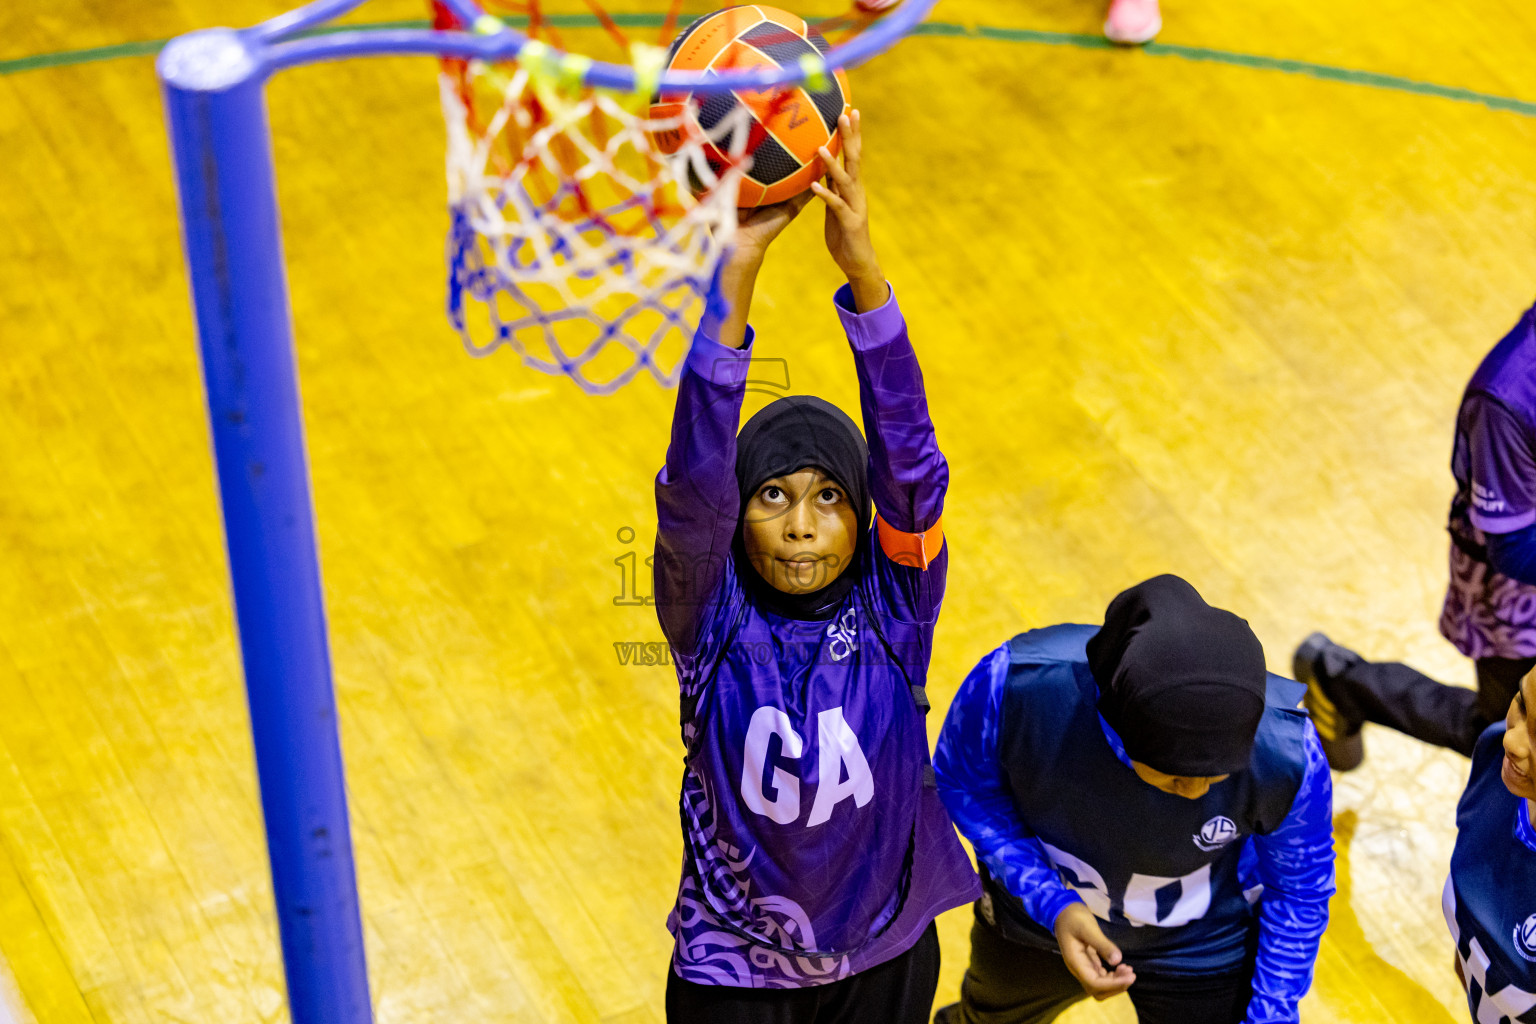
(213, 84)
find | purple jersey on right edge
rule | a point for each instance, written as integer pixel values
(1487, 614)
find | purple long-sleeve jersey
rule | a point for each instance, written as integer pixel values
(815, 844)
(1488, 614)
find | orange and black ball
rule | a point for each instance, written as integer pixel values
(786, 126)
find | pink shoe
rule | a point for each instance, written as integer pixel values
(1133, 22)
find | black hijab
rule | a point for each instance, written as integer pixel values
(1181, 682)
(784, 437)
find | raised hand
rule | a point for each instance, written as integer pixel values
(757, 227)
(1093, 960)
(847, 229)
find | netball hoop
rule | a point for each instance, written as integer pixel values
(573, 240)
(576, 241)
(213, 83)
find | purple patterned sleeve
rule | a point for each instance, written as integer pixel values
(975, 791)
(1503, 467)
(697, 502)
(908, 475)
(1295, 863)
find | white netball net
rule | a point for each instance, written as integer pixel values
(575, 242)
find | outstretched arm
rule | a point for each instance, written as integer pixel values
(847, 228)
(975, 792)
(697, 504)
(1296, 867)
(908, 474)
(756, 228)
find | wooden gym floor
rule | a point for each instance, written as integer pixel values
(1180, 311)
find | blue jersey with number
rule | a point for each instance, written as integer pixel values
(1042, 787)
(1490, 897)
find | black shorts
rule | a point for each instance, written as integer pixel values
(1010, 983)
(899, 991)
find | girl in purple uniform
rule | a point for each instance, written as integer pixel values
(816, 851)
(1490, 606)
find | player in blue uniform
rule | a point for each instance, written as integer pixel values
(1490, 896)
(1152, 814)
(816, 850)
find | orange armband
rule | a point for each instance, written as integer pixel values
(917, 550)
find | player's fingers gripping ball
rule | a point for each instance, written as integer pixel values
(784, 127)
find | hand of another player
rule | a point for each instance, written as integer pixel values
(1093, 960)
(848, 215)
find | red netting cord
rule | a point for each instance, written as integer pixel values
(669, 25)
(609, 24)
(445, 20)
(536, 25)
(850, 22)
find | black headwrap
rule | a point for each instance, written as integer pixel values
(1180, 681)
(784, 437)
